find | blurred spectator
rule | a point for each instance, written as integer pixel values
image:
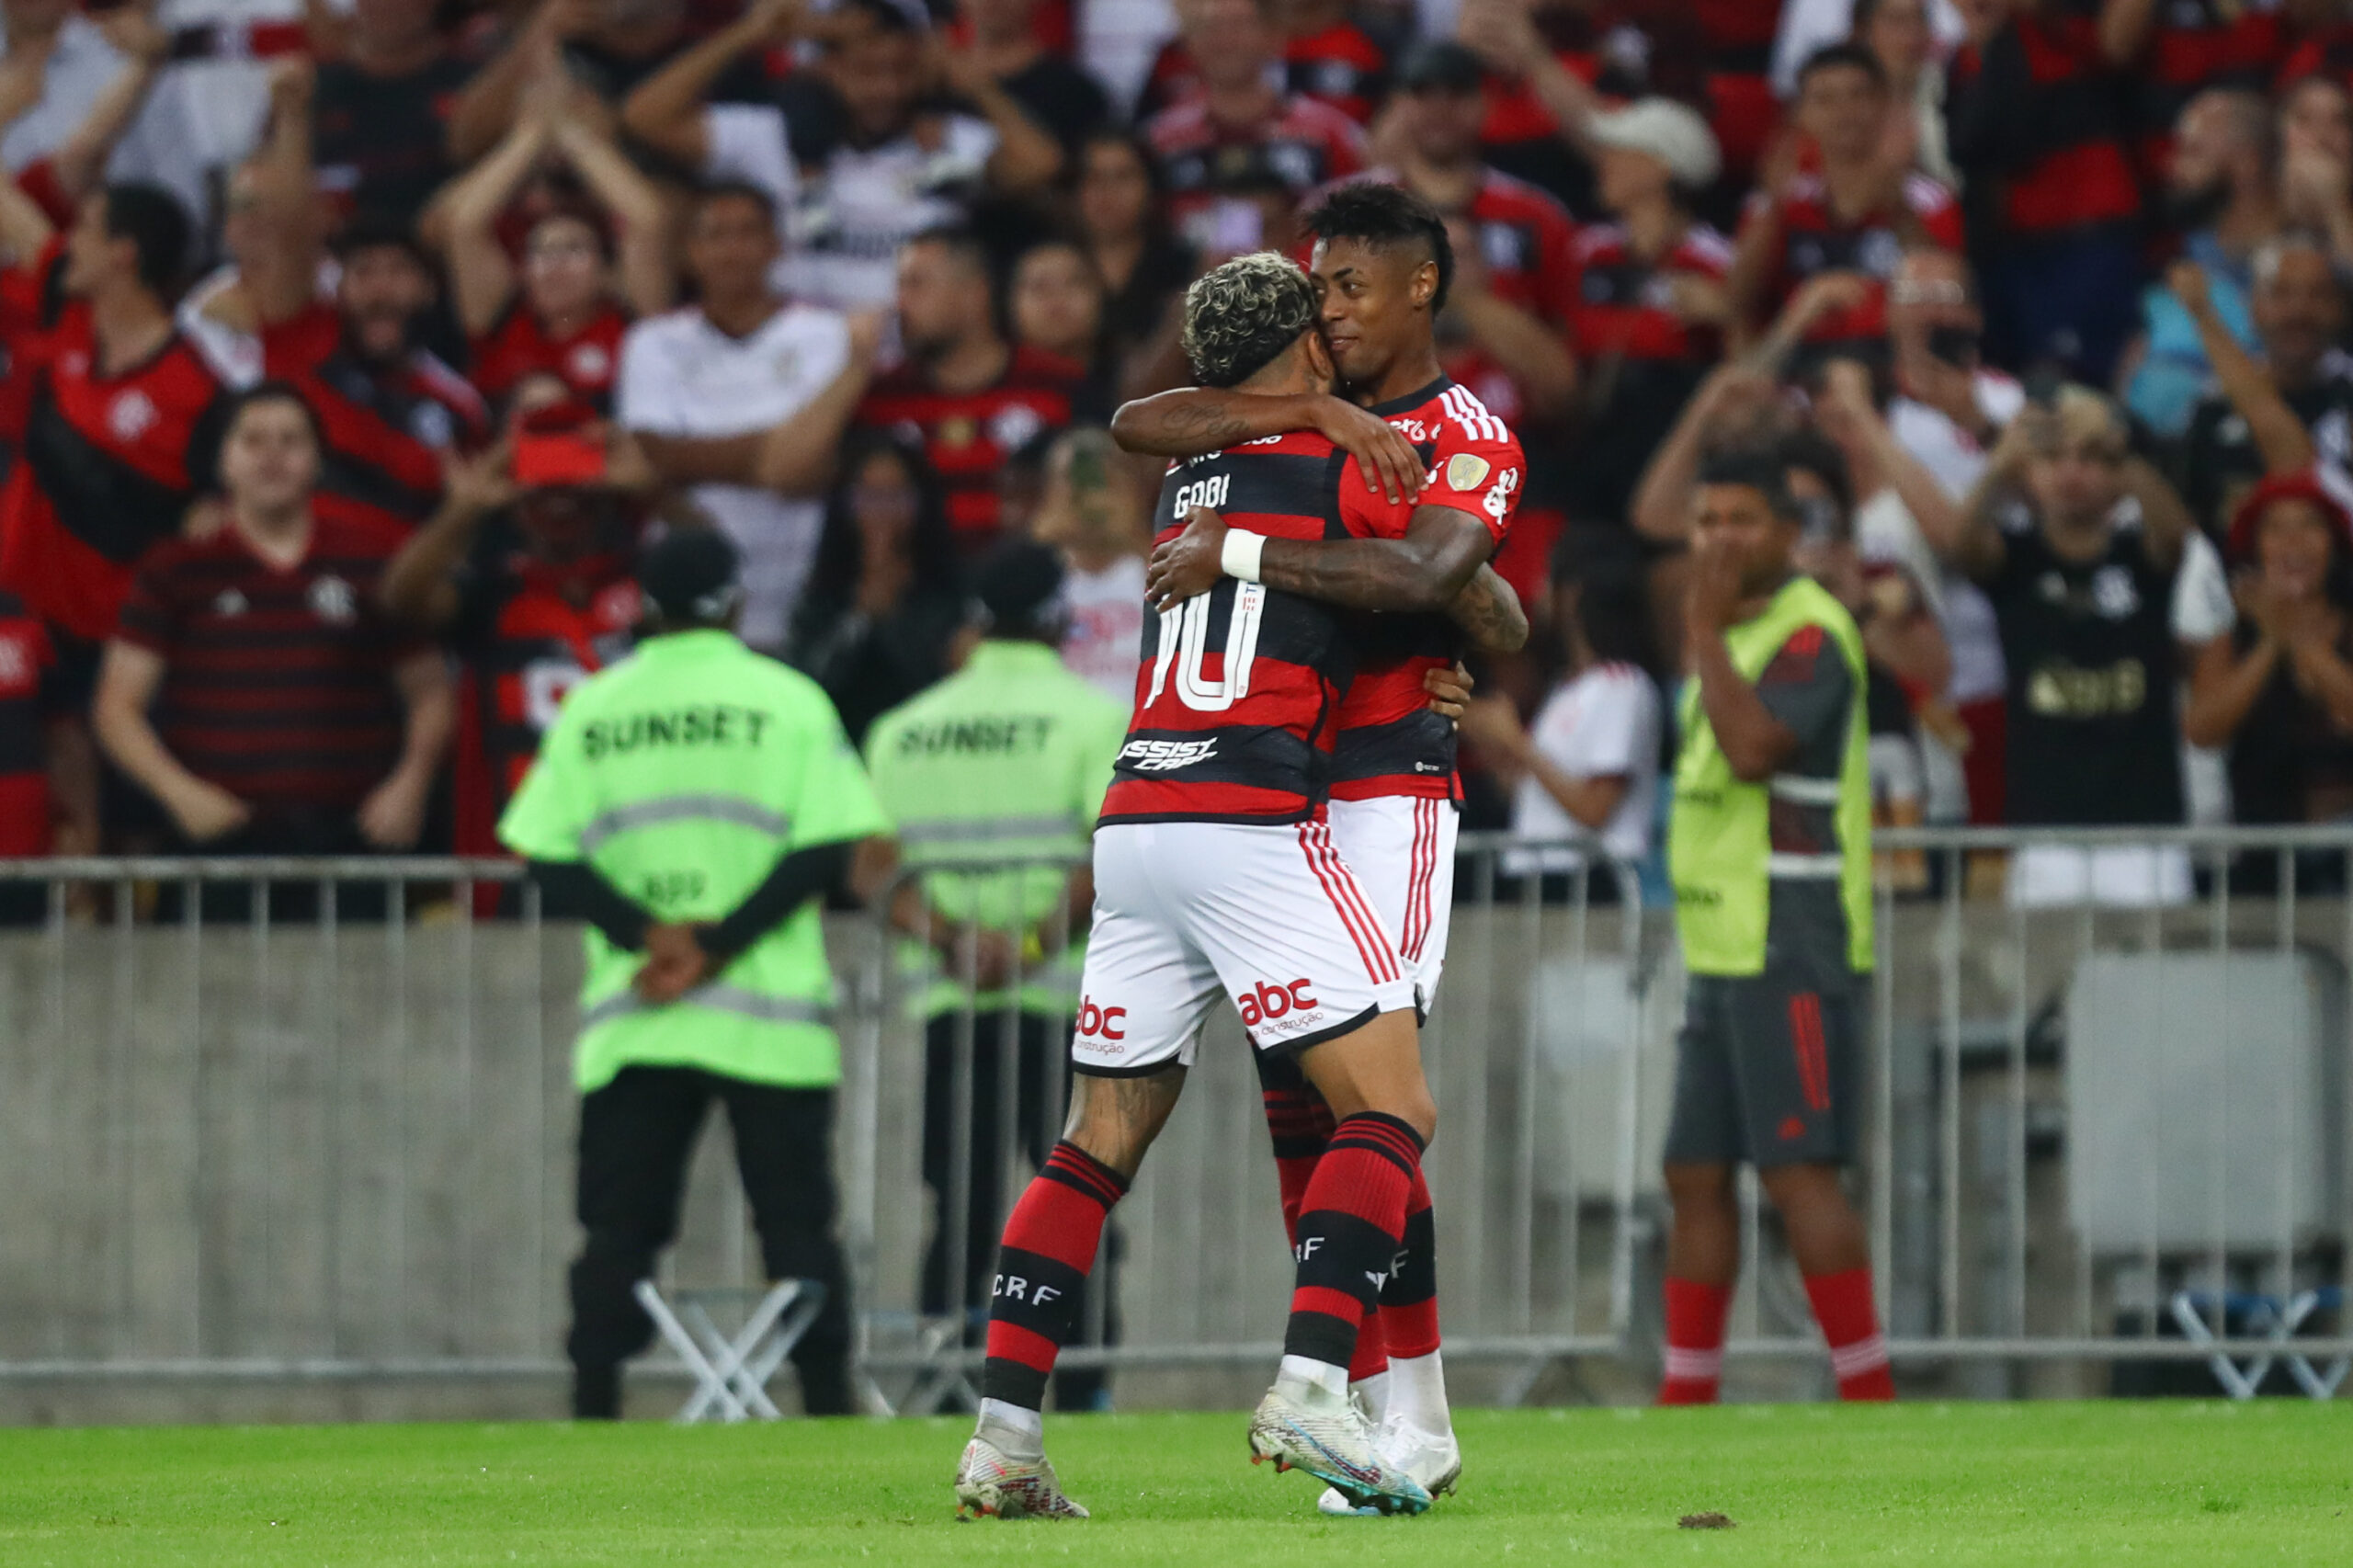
(744, 397)
(1325, 56)
(1587, 769)
(894, 169)
(586, 270)
(380, 119)
(77, 106)
(963, 392)
(2279, 692)
(2175, 48)
(1901, 36)
(2222, 195)
(390, 411)
(2315, 121)
(1852, 213)
(1055, 304)
(1118, 40)
(526, 574)
(1059, 95)
(1650, 305)
(884, 599)
(1239, 133)
(1123, 225)
(1095, 514)
(1514, 360)
(2277, 415)
(2076, 541)
(1522, 235)
(288, 715)
(2040, 136)
(41, 737)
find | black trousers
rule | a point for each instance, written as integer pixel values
(637, 1134)
(1037, 1114)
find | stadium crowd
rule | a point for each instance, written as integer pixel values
(351, 353)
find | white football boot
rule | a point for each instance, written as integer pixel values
(1433, 1459)
(990, 1484)
(1331, 1442)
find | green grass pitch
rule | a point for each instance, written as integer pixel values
(2155, 1483)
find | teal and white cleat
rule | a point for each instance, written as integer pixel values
(1435, 1459)
(991, 1484)
(1335, 1445)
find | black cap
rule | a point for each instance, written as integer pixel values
(1019, 587)
(1444, 63)
(691, 577)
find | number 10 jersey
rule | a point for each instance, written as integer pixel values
(1238, 689)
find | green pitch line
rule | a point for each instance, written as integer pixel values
(2154, 1483)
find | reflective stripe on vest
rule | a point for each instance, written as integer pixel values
(719, 999)
(1814, 867)
(682, 808)
(987, 830)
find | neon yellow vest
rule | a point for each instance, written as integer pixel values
(682, 774)
(1718, 840)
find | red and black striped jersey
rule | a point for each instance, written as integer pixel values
(1816, 239)
(1625, 304)
(967, 436)
(2039, 118)
(527, 634)
(1340, 65)
(1303, 143)
(519, 344)
(1238, 689)
(1390, 742)
(105, 467)
(25, 658)
(277, 681)
(387, 427)
(2196, 44)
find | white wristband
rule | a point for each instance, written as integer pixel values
(1240, 556)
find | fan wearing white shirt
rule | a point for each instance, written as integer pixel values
(1093, 514)
(897, 168)
(1587, 772)
(743, 399)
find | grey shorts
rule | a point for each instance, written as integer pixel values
(1769, 1069)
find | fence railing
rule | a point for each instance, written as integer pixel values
(313, 1120)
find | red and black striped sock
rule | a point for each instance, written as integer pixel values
(1347, 1236)
(1408, 1315)
(1050, 1243)
(1300, 1124)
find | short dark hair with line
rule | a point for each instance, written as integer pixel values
(1379, 215)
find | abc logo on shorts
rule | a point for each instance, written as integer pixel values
(1269, 1003)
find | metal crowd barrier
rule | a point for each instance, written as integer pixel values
(310, 1121)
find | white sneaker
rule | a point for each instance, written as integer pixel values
(991, 1484)
(1433, 1459)
(1334, 1444)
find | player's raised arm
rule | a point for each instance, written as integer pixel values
(1191, 421)
(1441, 550)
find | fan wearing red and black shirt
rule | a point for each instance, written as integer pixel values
(1214, 880)
(252, 686)
(1239, 135)
(530, 611)
(1382, 265)
(1854, 211)
(585, 272)
(37, 736)
(969, 397)
(1325, 57)
(389, 410)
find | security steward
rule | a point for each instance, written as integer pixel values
(1005, 761)
(695, 801)
(1769, 851)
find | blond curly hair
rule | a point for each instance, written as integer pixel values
(1240, 315)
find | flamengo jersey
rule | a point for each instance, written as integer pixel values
(1391, 743)
(1239, 688)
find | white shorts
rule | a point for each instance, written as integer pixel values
(1403, 849)
(1187, 911)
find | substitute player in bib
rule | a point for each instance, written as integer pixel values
(1382, 267)
(1214, 875)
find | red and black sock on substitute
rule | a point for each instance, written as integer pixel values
(1409, 1301)
(1050, 1244)
(1348, 1234)
(1299, 1123)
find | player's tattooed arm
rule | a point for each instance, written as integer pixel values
(1115, 1119)
(1491, 613)
(1441, 550)
(1191, 421)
